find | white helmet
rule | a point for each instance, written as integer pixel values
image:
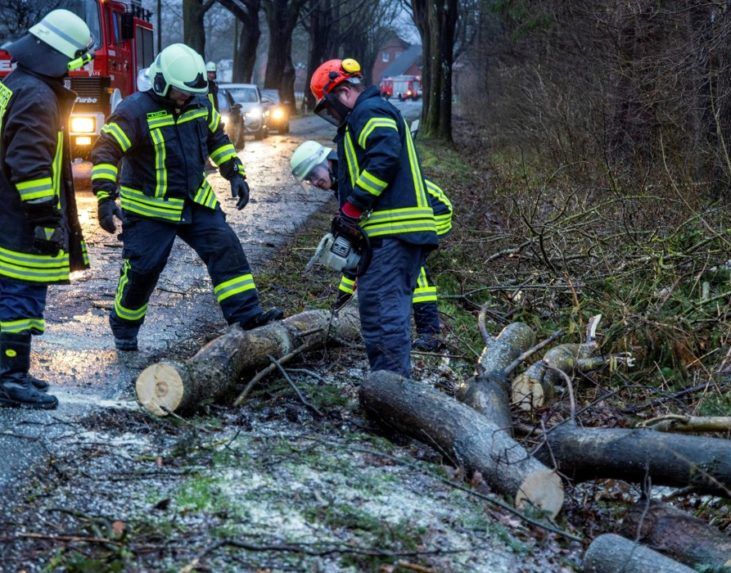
(211, 67)
(60, 42)
(181, 67)
(306, 157)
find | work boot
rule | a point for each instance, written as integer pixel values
(125, 335)
(38, 384)
(263, 318)
(17, 389)
(427, 343)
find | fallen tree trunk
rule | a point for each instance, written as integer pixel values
(632, 455)
(678, 534)
(488, 391)
(610, 553)
(465, 435)
(179, 386)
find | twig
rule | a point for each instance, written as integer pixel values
(569, 386)
(528, 353)
(481, 324)
(268, 370)
(60, 538)
(294, 386)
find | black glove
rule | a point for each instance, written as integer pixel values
(343, 225)
(240, 189)
(107, 209)
(48, 240)
(341, 300)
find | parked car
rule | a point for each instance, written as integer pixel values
(232, 118)
(277, 112)
(249, 96)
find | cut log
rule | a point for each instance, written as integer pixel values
(180, 386)
(488, 391)
(632, 455)
(535, 387)
(678, 534)
(610, 553)
(466, 436)
(681, 423)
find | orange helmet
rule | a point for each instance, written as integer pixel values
(333, 73)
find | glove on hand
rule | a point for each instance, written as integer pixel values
(107, 209)
(346, 223)
(341, 300)
(240, 190)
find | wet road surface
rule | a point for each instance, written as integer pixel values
(77, 354)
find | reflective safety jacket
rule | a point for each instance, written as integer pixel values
(438, 200)
(379, 172)
(35, 165)
(157, 156)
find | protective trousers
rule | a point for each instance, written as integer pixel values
(384, 298)
(426, 312)
(21, 307)
(147, 246)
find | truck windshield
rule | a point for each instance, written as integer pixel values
(19, 15)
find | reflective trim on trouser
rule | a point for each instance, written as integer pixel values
(21, 307)
(220, 249)
(425, 291)
(384, 297)
(347, 285)
(426, 312)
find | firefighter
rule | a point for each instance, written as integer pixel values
(212, 85)
(317, 165)
(379, 175)
(162, 138)
(40, 235)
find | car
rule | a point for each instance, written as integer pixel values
(249, 96)
(232, 118)
(277, 112)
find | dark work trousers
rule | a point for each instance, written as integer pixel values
(426, 312)
(147, 246)
(21, 307)
(384, 299)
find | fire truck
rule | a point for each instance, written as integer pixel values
(124, 45)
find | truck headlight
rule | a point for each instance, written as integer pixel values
(83, 124)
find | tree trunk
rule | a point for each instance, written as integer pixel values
(320, 44)
(248, 40)
(437, 21)
(464, 435)
(194, 31)
(181, 386)
(633, 455)
(610, 553)
(678, 534)
(488, 391)
(282, 18)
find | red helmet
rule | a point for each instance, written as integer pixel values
(331, 74)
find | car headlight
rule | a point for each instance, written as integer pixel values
(224, 118)
(83, 124)
(254, 113)
(278, 114)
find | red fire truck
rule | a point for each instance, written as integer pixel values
(124, 45)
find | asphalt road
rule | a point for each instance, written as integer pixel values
(77, 355)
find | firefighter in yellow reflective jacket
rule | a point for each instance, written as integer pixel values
(318, 165)
(380, 177)
(40, 236)
(154, 150)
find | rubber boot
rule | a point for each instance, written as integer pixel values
(263, 318)
(16, 386)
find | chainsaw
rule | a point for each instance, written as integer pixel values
(340, 254)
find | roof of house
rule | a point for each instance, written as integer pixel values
(403, 62)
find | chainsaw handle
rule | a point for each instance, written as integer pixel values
(366, 253)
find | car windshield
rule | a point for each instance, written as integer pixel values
(18, 16)
(271, 95)
(244, 95)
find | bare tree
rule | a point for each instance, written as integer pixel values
(194, 33)
(247, 12)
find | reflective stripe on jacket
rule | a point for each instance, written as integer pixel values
(379, 172)
(35, 165)
(157, 156)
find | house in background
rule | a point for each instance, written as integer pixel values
(396, 57)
